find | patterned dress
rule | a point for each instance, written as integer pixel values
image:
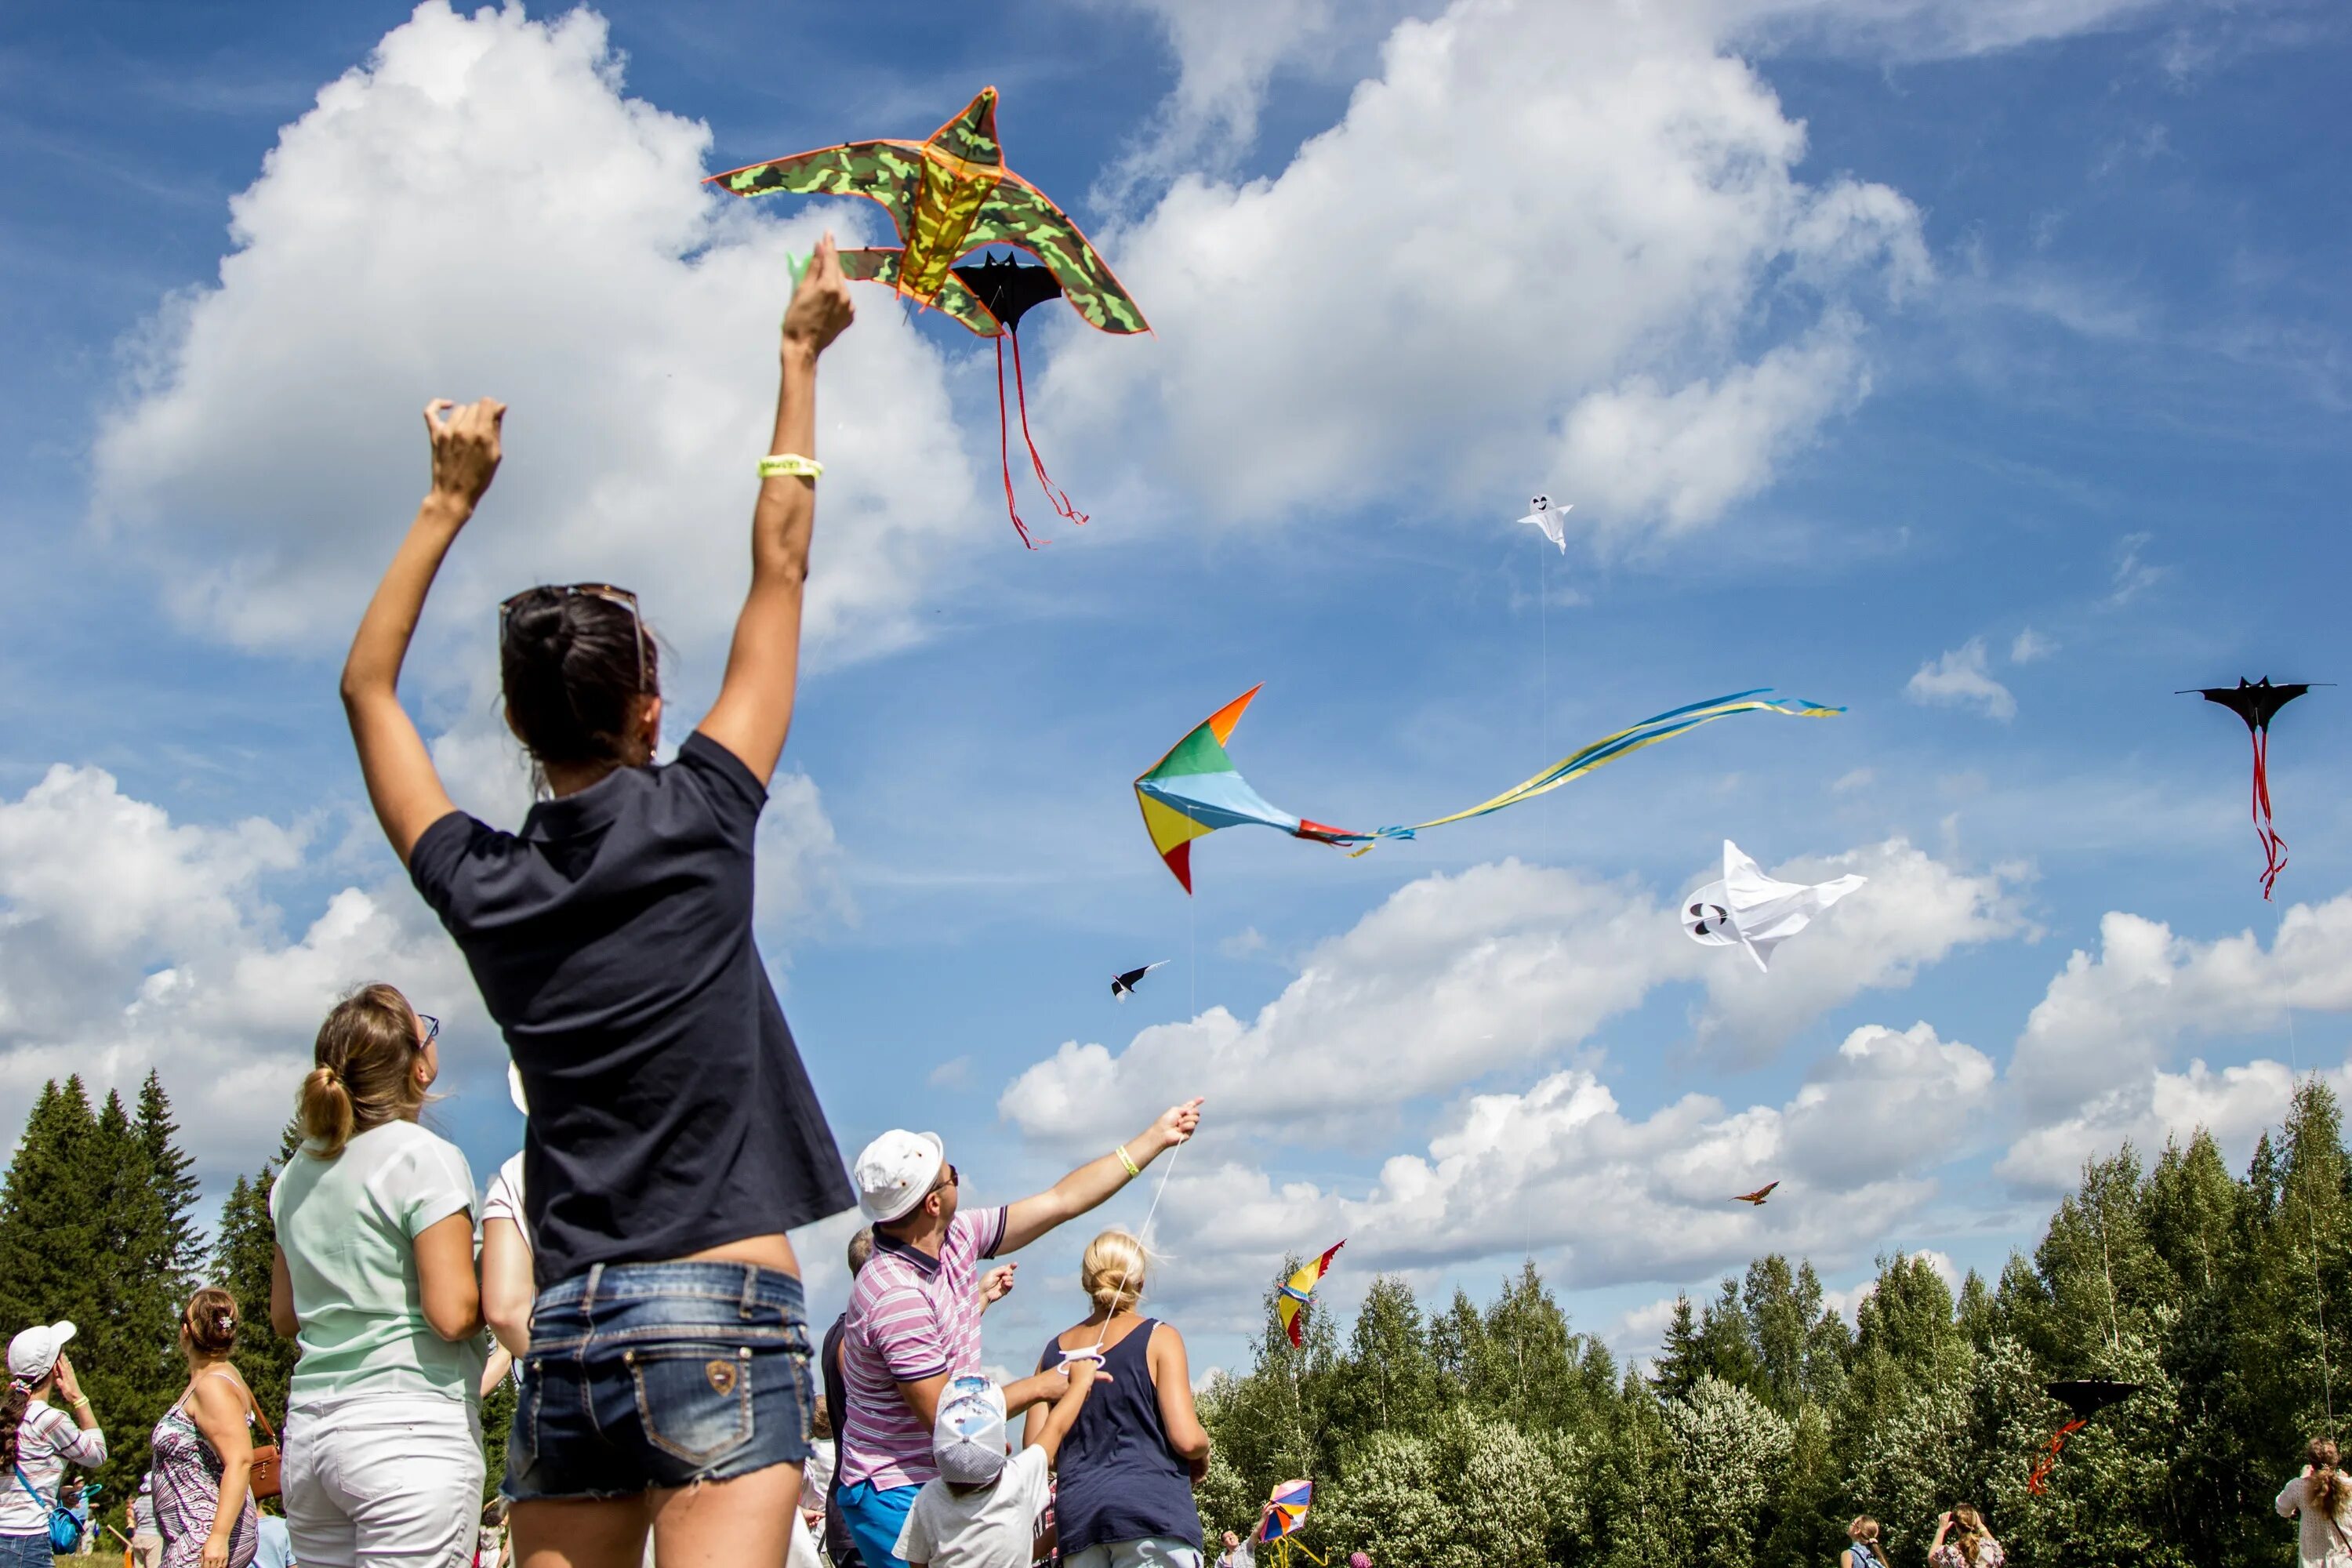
(187, 1492)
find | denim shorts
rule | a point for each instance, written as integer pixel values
(660, 1374)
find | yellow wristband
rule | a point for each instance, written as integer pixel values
(79, 1400)
(1128, 1160)
(789, 465)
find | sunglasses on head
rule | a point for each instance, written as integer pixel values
(431, 1029)
(604, 591)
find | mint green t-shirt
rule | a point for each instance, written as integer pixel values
(348, 1227)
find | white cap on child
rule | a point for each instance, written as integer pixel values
(968, 1438)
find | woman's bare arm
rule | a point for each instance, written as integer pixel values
(445, 1276)
(402, 782)
(281, 1297)
(507, 1284)
(754, 710)
(218, 1405)
(1172, 1378)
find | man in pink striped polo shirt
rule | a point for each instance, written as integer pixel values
(914, 1312)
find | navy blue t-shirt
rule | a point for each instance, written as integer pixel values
(611, 942)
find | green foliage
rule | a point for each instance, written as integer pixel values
(1469, 1436)
(94, 1227)
(242, 1246)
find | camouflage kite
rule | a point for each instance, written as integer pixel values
(948, 197)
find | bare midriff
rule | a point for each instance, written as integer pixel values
(773, 1250)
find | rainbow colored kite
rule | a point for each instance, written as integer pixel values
(1195, 789)
(1285, 1511)
(1291, 1305)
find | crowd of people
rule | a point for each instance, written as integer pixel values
(630, 1270)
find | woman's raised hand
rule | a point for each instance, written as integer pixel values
(1178, 1123)
(464, 440)
(821, 306)
(67, 1385)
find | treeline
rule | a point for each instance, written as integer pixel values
(1503, 1437)
(97, 1225)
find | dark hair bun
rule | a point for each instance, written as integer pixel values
(574, 666)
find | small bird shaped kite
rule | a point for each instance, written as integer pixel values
(2086, 1396)
(1748, 909)
(2257, 703)
(948, 196)
(1123, 985)
(1290, 1306)
(1758, 1197)
(1286, 1510)
(1553, 521)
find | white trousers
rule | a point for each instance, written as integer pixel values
(389, 1482)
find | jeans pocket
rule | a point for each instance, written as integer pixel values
(522, 1438)
(694, 1400)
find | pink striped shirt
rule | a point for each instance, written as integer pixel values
(911, 1317)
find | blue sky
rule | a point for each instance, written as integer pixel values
(1982, 368)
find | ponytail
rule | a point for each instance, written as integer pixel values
(324, 1108)
(1972, 1530)
(2329, 1489)
(364, 1053)
(13, 1405)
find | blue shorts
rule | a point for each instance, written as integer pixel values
(875, 1516)
(659, 1374)
(25, 1550)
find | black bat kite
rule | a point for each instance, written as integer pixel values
(2086, 1396)
(2257, 703)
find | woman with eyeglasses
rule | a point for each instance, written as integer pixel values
(674, 1137)
(373, 1278)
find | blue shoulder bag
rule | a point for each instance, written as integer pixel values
(64, 1530)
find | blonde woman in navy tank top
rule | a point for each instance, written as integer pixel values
(1123, 1496)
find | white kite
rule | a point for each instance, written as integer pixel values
(1553, 521)
(1749, 909)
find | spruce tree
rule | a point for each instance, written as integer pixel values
(173, 1174)
(128, 1352)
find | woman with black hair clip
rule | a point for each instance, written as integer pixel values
(674, 1137)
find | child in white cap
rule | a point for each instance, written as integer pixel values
(982, 1510)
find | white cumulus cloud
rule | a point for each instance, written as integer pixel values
(2096, 1061)
(130, 941)
(1460, 974)
(1561, 1167)
(1960, 679)
(480, 209)
(1411, 305)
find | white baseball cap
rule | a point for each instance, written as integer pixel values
(968, 1438)
(895, 1172)
(32, 1353)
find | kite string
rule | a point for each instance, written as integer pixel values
(2311, 1225)
(1128, 1269)
(1192, 968)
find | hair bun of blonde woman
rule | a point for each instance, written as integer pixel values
(1114, 1271)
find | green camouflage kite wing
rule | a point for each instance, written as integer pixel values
(887, 172)
(1017, 213)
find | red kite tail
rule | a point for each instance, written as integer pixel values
(1054, 492)
(2034, 1482)
(1004, 443)
(2274, 846)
